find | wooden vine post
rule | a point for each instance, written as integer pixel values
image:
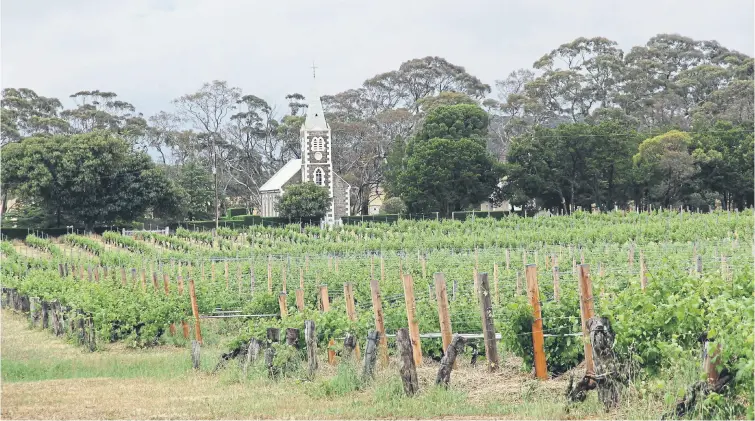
(444, 315)
(184, 325)
(488, 328)
(556, 286)
(195, 311)
(408, 370)
(324, 300)
(269, 275)
(643, 272)
(300, 299)
(377, 308)
(311, 340)
(351, 311)
(166, 285)
(325, 307)
(411, 316)
(282, 304)
(538, 340)
(587, 311)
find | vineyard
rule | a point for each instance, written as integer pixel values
(670, 284)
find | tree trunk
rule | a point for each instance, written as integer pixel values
(310, 338)
(407, 370)
(455, 348)
(292, 337)
(370, 355)
(349, 343)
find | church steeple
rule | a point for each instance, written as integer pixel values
(315, 116)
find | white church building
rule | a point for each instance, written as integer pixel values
(315, 165)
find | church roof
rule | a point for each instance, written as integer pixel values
(281, 177)
(315, 116)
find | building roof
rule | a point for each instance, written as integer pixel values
(315, 116)
(281, 177)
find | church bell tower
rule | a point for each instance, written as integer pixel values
(317, 164)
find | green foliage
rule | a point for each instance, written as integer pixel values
(43, 244)
(393, 206)
(197, 192)
(447, 175)
(305, 200)
(88, 178)
(455, 122)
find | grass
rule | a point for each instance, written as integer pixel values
(47, 378)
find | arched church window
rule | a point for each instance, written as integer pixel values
(318, 177)
(318, 144)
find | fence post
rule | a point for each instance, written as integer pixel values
(212, 270)
(311, 340)
(408, 369)
(351, 311)
(269, 275)
(488, 328)
(301, 279)
(556, 287)
(195, 311)
(411, 310)
(538, 340)
(377, 308)
(443, 314)
(324, 300)
(299, 299)
(518, 283)
(252, 277)
(166, 285)
(586, 308)
(643, 274)
(282, 304)
(508, 259)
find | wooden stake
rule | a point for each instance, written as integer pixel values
(269, 276)
(411, 311)
(408, 368)
(586, 308)
(166, 286)
(538, 340)
(488, 328)
(643, 272)
(444, 315)
(300, 299)
(195, 311)
(556, 287)
(212, 274)
(301, 279)
(377, 308)
(351, 311)
(507, 260)
(331, 352)
(348, 295)
(324, 300)
(282, 304)
(311, 340)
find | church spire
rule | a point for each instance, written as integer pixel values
(315, 116)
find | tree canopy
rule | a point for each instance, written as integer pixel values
(89, 178)
(303, 200)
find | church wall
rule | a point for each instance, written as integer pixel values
(340, 198)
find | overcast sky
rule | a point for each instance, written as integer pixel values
(151, 51)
